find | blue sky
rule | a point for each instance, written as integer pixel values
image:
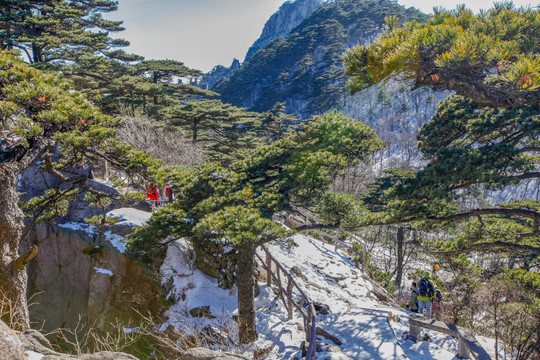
(205, 33)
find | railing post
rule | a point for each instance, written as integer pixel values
(363, 258)
(268, 269)
(289, 297)
(337, 240)
(462, 352)
(414, 332)
(311, 334)
(279, 278)
(306, 318)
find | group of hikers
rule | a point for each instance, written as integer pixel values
(425, 297)
(153, 194)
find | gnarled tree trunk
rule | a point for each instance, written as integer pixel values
(13, 279)
(399, 267)
(246, 298)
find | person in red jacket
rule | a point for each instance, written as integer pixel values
(152, 193)
(169, 192)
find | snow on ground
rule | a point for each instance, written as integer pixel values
(192, 288)
(356, 318)
(89, 229)
(103, 271)
(130, 216)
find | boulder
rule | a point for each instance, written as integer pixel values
(201, 311)
(11, 346)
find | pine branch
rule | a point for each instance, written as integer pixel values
(493, 247)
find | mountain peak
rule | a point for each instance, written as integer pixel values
(288, 16)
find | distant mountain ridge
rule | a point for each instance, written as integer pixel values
(280, 24)
(288, 16)
(305, 69)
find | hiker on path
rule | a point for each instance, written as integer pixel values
(169, 192)
(413, 304)
(426, 294)
(152, 193)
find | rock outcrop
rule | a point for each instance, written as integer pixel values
(289, 15)
(217, 73)
(77, 275)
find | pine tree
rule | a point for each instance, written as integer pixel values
(60, 32)
(491, 58)
(235, 205)
(40, 114)
(220, 128)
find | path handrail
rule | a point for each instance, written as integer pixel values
(468, 346)
(286, 293)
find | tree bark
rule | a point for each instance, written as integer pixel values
(13, 282)
(399, 266)
(246, 299)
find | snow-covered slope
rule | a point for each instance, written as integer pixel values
(355, 317)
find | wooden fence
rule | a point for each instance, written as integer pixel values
(468, 346)
(274, 271)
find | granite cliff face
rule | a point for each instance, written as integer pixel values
(305, 69)
(217, 73)
(280, 24)
(289, 15)
(77, 276)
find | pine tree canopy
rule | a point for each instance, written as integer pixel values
(297, 169)
(41, 113)
(491, 58)
(61, 32)
(472, 150)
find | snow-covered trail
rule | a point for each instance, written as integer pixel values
(356, 317)
(365, 334)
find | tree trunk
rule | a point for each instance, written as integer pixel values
(399, 266)
(13, 282)
(246, 299)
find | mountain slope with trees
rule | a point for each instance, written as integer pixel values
(305, 70)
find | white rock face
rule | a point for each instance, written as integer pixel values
(289, 15)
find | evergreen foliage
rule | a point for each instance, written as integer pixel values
(41, 115)
(235, 205)
(61, 32)
(483, 139)
(491, 58)
(220, 128)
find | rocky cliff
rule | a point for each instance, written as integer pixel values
(217, 73)
(305, 69)
(280, 24)
(289, 15)
(77, 279)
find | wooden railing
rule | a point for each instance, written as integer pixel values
(468, 346)
(304, 306)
